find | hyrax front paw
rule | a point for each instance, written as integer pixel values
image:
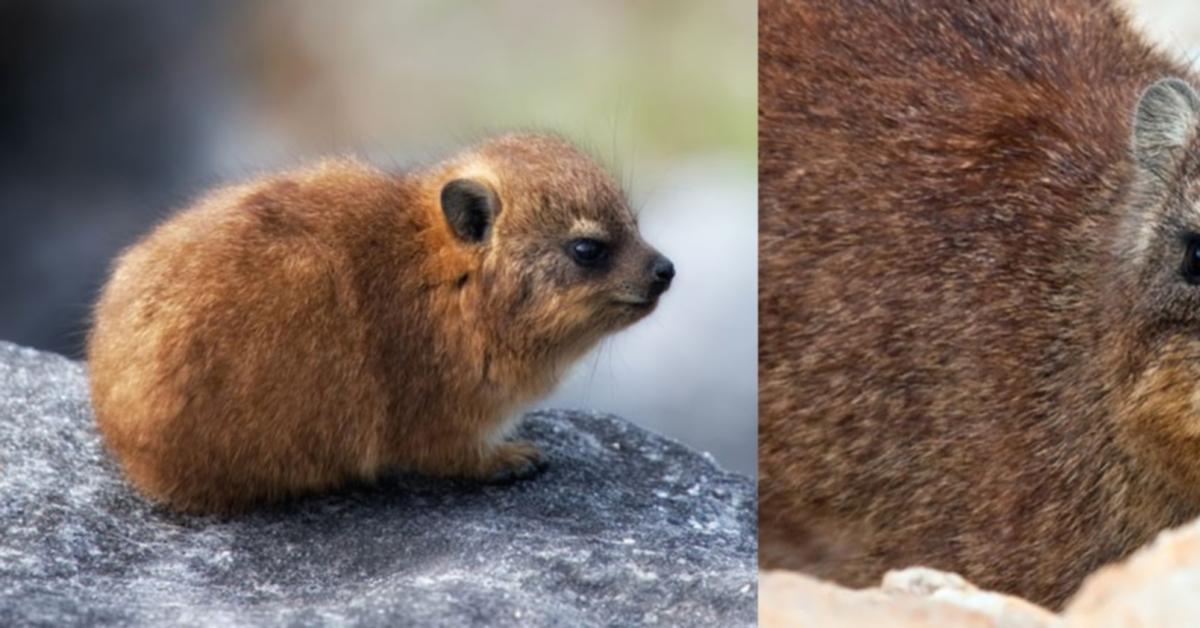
(512, 461)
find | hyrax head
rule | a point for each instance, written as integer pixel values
(559, 260)
(1154, 297)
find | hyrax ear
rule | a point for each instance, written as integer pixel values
(470, 207)
(1166, 118)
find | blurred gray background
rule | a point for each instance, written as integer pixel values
(1173, 23)
(114, 114)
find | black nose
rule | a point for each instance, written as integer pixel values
(662, 271)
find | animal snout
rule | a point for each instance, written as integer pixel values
(662, 271)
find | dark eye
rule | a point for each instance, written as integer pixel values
(587, 252)
(1191, 261)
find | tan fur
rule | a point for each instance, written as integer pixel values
(325, 325)
(977, 349)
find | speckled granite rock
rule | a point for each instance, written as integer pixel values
(624, 527)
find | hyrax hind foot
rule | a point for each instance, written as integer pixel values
(511, 461)
(502, 462)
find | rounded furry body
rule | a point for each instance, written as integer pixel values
(973, 326)
(307, 329)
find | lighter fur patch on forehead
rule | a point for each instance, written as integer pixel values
(1142, 222)
(588, 227)
(1145, 234)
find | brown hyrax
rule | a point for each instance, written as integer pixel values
(325, 325)
(980, 303)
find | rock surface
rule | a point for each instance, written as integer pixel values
(624, 527)
(910, 598)
(1159, 587)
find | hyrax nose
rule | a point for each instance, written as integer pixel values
(661, 273)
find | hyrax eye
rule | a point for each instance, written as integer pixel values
(587, 252)
(1191, 261)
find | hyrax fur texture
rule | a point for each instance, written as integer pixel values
(980, 303)
(307, 329)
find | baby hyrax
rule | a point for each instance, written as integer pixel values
(315, 327)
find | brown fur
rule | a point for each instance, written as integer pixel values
(324, 325)
(978, 352)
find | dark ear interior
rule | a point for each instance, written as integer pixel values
(470, 207)
(1166, 118)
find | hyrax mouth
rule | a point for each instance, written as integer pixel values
(642, 305)
(637, 306)
(661, 271)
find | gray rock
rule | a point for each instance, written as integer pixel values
(624, 527)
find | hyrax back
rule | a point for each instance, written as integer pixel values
(979, 306)
(319, 326)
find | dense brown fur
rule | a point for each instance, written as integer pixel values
(302, 330)
(977, 349)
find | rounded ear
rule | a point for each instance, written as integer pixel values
(1166, 118)
(470, 207)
